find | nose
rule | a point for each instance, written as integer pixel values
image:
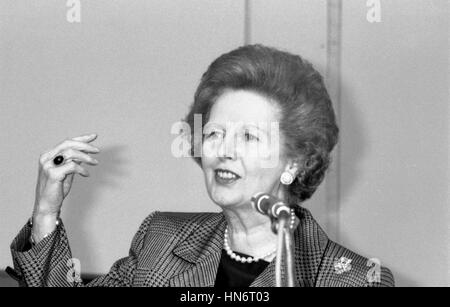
(227, 148)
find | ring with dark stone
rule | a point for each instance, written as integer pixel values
(59, 159)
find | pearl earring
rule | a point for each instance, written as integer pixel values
(286, 178)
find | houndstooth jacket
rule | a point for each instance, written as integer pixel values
(184, 249)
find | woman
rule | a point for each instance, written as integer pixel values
(243, 97)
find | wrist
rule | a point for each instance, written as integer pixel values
(45, 209)
(40, 218)
(42, 226)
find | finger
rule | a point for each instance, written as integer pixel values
(71, 155)
(69, 180)
(60, 173)
(78, 156)
(78, 145)
(86, 138)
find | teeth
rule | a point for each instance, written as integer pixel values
(226, 175)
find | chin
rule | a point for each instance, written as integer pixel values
(226, 200)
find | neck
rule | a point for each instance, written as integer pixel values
(249, 231)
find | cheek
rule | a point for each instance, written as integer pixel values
(262, 154)
(207, 170)
(256, 174)
(208, 174)
(208, 154)
(210, 151)
(259, 174)
(207, 150)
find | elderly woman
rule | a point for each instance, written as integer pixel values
(239, 157)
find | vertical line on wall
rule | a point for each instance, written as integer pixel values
(247, 22)
(333, 82)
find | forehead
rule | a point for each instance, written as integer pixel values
(243, 106)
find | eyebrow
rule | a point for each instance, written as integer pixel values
(256, 126)
(212, 125)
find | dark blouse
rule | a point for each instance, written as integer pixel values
(232, 273)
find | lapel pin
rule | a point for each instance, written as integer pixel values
(342, 265)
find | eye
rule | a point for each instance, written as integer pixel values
(214, 134)
(250, 137)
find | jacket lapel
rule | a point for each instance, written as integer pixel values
(201, 251)
(310, 242)
(309, 245)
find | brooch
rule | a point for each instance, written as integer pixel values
(342, 265)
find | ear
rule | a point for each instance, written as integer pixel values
(292, 166)
(295, 165)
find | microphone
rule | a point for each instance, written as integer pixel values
(269, 205)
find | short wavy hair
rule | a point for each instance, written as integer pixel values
(307, 119)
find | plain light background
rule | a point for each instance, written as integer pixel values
(129, 70)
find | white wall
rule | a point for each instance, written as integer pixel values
(129, 70)
(394, 138)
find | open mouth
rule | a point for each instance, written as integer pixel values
(225, 176)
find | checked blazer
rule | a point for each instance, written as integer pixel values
(184, 249)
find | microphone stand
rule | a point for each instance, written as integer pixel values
(279, 214)
(280, 226)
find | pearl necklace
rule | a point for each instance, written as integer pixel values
(251, 259)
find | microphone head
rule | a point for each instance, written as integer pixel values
(257, 200)
(255, 197)
(268, 204)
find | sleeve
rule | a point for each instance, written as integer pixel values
(50, 264)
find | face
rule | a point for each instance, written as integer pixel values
(241, 151)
